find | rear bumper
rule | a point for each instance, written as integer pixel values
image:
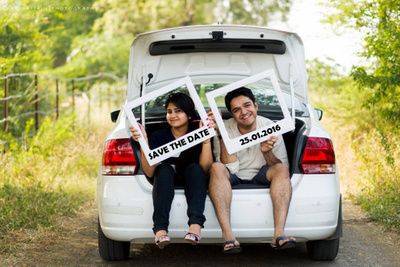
(125, 211)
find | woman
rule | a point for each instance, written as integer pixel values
(190, 168)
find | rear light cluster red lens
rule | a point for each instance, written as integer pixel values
(318, 156)
(118, 158)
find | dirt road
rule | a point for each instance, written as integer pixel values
(74, 243)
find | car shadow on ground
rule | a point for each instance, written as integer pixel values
(211, 255)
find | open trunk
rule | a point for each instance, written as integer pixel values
(294, 142)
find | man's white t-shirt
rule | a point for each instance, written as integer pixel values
(250, 160)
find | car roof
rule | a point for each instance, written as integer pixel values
(163, 67)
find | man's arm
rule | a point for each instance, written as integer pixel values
(266, 149)
(225, 157)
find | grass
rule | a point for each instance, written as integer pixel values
(49, 175)
(367, 149)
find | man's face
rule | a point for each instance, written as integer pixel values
(244, 111)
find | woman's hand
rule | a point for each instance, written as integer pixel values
(210, 124)
(211, 120)
(136, 134)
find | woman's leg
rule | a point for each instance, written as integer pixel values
(196, 184)
(163, 194)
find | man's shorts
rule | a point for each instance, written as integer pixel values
(259, 179)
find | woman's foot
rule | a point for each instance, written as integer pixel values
(193, 235)
(162, 239)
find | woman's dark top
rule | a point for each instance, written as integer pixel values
(181, 160)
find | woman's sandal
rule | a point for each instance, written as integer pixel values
(230, 247)
(162, 241)
(192, 238)
(288, 242)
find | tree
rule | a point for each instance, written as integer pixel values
(254, 12)
(106, 48)
(39, 34)
(380, 78)
(22, 46)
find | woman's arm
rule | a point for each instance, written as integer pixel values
(147, 169)
(206, 157)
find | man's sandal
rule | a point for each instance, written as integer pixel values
(162, 241)
(288, 242)
(231, 247)
(192, 238)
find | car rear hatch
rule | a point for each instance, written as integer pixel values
(216, 52)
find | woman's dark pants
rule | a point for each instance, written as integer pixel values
(195, 183)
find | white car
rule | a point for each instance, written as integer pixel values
(213, 56)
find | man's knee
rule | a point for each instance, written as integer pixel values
(218, 172)
(216, 169)
(278, 171)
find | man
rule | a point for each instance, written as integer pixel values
(265, 164)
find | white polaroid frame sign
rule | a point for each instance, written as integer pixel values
(191, 139)
(259, 135)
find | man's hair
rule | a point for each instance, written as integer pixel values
(182, 101)
(238, 92)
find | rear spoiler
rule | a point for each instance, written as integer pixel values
(217, 45)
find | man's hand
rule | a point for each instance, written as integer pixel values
(267, 146)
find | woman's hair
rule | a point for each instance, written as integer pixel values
(238, 92)
(182, 101)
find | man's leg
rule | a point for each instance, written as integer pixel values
(220, 192)
(281, 194)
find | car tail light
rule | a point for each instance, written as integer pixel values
(118, 158)
(318, 156)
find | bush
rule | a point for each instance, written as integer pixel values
(48, 175)
(374, 140)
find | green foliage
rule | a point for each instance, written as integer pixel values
(80, 37)
(31, 206)
(376, 109)
(106, 48)
(380, 78)
(381, 184)
(63, 22)
(47, 175)
(22, 46)
(36, 35)
(375, 142)
(253, 12)
(98, 54)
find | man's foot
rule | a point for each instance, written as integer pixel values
(232, 247)
(283, 242)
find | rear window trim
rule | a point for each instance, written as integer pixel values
(266, 46)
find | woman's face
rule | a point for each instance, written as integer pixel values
(176, 117)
